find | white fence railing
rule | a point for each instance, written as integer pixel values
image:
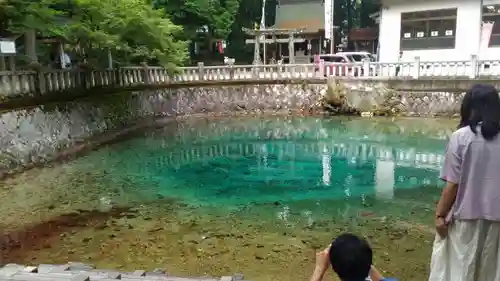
(31, 82)
(472, 68)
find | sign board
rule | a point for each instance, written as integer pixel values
(7, 47)
(329, 19)
(203, 29)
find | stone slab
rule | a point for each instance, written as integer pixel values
(66, 275)
(100, 273)
(145, 277)
(238, 277)
(81, 266)
(165, 278)
(34, 277)
(155, 274)
(158, 271)
(139, 273)
(80, 277)
(31, 269)
(11, 269)
(85, 272)
(46, 268)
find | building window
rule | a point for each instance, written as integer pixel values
(426, 30)
(491, 13)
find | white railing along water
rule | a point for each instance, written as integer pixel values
(13, 83)
(416, 69)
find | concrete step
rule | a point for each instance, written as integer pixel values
(74, 271)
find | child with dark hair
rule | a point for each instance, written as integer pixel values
(350, 257)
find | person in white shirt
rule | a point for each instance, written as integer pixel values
(65, 60)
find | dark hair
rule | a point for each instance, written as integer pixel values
(351, 257)
(485, 111)
(466, 110)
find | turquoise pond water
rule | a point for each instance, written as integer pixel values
(232, 163)
(223, 195)
(241, 161)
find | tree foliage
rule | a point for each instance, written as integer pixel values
(350, 14)
(132, 30)
(17, 16)
(155, 30)
(217, 15)
(249, 16)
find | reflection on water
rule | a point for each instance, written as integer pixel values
(248, 161)
(238, 162)
(384, 181)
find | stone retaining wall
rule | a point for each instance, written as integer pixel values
(40, 134)
(378, 97)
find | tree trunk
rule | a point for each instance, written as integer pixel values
(30, 46)
(2, 63)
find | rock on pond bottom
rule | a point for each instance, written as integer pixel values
(257, 196)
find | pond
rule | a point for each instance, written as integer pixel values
(227, 195)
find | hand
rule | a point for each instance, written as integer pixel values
(441, 227)
(321, 265)
(375, 274)
(322, 260)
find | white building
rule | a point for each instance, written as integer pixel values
(438, 30)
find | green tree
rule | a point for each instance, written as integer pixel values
(28, 18)
(350, 14)
(217, 15)
(131, 30)
(249, 16)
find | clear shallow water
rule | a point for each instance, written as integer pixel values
(284, 182)
(230, 163)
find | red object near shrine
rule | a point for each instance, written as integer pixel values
(220, 46)
(316, 59)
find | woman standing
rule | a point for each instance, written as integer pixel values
(467, 244)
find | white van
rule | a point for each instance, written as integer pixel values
(357, 56)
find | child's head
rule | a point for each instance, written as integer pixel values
(351, 257)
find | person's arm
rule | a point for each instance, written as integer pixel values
(447, 200)
(318, 274)
(322, 263)
(451, 171)
(375, 274)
